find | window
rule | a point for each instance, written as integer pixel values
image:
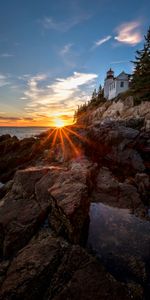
(121, 84)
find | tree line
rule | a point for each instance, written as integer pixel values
(97, 98)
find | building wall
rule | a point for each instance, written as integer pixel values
(124, 88)
(106, 87)
(112, 90)
(121, 85)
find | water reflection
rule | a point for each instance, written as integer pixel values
(120, 239)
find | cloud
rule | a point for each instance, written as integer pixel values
(9, 118)
(61, 96)
(27, 119)
(72, 82)
(102, 41)
(6, 55)
(15, 119)
(129, 33)
(63, 26)
(68, 55)
(3, 80)
(24, 98)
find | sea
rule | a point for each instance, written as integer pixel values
(23, 132)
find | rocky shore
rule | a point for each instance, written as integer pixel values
(49, 184)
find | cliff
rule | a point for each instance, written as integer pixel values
(118, 110)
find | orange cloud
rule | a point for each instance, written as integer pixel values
(129, 33)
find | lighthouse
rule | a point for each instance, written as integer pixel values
(113, 86)
(108, 80)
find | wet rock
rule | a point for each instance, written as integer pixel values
(125, 265)
(121, 241)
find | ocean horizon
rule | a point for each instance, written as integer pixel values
(22, 132)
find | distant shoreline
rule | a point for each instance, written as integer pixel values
(23, 131)
(26, 126)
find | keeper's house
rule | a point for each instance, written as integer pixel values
(115, 85)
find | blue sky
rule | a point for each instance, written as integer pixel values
(53, 53)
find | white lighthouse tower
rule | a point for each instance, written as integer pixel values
(108, 80)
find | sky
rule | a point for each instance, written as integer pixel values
(54, 53)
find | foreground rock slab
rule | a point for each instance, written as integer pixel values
(49, 268)
(70, 200)
(57, 193)
(31, 270)
(20, 212)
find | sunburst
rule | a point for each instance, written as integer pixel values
(59, 123)
(64, 136)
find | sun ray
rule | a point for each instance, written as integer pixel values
(62, 142)
(71, 143)
(78, 135)
(55, 138)
(48, 137)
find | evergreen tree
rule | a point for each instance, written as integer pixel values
(94, 94)
(100, 90)
(101, 94)
(140, 84)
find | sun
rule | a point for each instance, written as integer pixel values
(59, 123)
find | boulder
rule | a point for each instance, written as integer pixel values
(60, 192)
(15, 154)
(110, 191)
(21, 213)
(70, 200)
(115, 145)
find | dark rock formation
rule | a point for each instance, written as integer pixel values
(116, 144)
(20, 212)
(81, 277)
(49, 268)
(35, 193)
(31, 270)
(110, 191)
(14, 153)
(70, 204)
